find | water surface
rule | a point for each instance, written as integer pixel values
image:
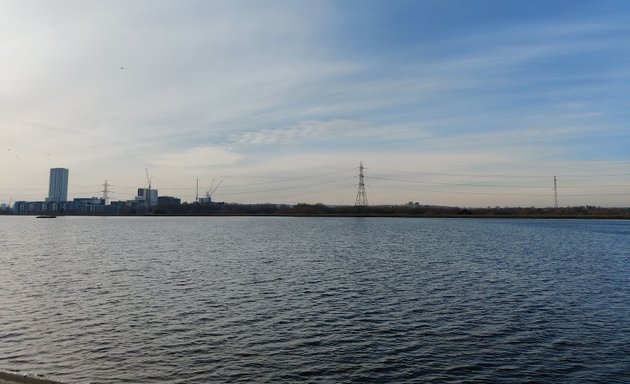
(266, 299)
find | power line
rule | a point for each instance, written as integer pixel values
(318, 189)
(281, 188)
(284, 180)
(494, 185)
(507, 176)
(498, 194)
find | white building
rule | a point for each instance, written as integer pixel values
(58, 185)
(147, 197)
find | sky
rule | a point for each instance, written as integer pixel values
(446, 102)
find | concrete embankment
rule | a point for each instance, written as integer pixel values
(13, 378)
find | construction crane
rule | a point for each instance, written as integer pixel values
(148, 191)
(148, 178)
(210, 192)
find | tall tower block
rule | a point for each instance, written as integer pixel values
(58, 185)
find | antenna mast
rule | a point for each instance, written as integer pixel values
(555, 193)
(361, 200)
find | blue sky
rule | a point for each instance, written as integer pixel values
(446, 102)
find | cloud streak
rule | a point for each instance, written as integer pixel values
(205, 156)
(307, 130)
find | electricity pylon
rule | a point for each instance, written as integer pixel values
(361, 200)
(106, 191)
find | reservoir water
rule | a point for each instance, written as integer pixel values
(339, 300)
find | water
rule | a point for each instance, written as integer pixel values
(196, 300)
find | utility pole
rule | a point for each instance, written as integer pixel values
(555, 193)
(361, 200)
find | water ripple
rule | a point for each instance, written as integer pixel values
(196, 300)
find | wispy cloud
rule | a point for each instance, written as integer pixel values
(307, 130)
(205, 156)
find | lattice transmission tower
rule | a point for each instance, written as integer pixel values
(555, 193)
(361, 200)
(106, 191)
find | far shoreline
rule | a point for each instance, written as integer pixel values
(411, 210)
(344, 215)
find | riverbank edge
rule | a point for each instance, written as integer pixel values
(15, 378)
(464, 216)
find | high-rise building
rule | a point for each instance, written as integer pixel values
(58, 185)
(147, 197)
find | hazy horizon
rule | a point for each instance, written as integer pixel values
(446, 102)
